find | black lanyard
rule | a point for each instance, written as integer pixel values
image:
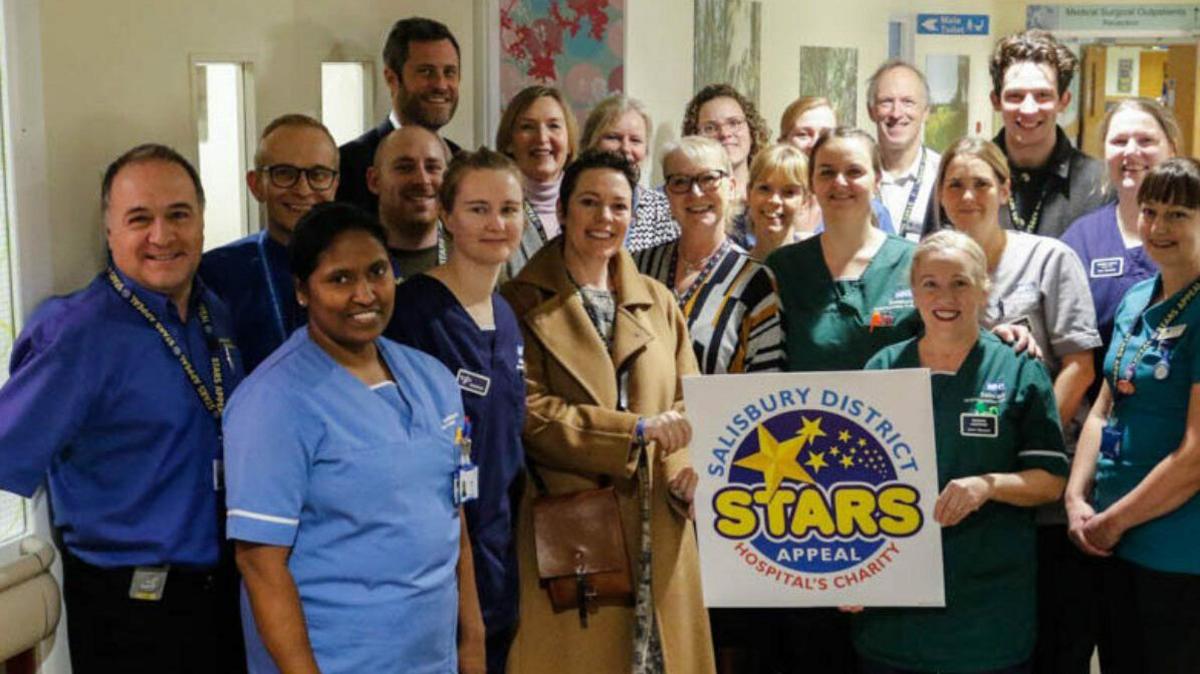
(275, 303)
(532, 218)
(214, 402)
(1030, 226)
(1154, 338)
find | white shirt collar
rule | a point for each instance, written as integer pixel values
(394, 119)
(910, 173)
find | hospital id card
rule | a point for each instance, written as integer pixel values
(148, 583)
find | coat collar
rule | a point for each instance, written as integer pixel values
(562, 324)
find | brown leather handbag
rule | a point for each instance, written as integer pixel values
(581, 556)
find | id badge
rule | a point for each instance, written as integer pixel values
(466, 483)
(1110, 442)
(148, 583)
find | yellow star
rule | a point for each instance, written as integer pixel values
(835, 451)
(776, 460)
(811, 430)
(844, 436)
(816, 461)
(862, 442)
(847, 462)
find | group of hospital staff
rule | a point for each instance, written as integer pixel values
(317, 449)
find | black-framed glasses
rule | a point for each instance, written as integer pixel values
(284, 176)
(682, 184)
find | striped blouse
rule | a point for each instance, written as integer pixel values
(732, 309)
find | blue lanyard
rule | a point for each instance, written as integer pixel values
(912, 194)
(266, 266)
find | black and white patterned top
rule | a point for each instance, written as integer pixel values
(652, 222)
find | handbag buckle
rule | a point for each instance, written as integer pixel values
(585, 594)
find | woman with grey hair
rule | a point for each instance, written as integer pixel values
(621, 124)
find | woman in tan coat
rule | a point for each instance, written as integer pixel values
(591, 321)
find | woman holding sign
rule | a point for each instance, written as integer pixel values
(605, 348)
(1000, 452)
(1134, 483)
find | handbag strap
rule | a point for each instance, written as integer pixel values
(622, 406)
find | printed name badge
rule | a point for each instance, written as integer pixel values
(472, 382)
(148, 583)
(1173, 332)
(978, 425)
(1110, 442)
(1107, 267)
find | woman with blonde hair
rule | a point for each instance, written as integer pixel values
(538, 132)
(782, 208)
(987, 479)
(621, 124)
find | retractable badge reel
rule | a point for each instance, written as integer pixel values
(466, 475)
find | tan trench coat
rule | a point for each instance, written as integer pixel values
(574, 434)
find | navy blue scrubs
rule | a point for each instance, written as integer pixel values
(489, 367)
(252, 276)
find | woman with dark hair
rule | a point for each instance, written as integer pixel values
(453, 313)
(538, 132)
(605, 350)
(1136, 475)
(343, 452)
(722, 113)
(621, 124)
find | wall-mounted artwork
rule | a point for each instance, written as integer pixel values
(832, 72)
(728, 45)
(575, 45)
(949, 78)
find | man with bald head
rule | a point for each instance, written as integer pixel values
(295, 168)
(406, 177)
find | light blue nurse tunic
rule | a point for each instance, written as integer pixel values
(357, 480)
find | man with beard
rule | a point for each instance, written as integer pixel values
(406, 177)
(898, 103)
(422, 69)
(295, 168)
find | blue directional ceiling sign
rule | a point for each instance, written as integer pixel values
(952, 24)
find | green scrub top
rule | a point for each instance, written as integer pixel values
(1153, 421)
(836, 324)
(995, 415)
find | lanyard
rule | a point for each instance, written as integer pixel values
(275, 304)
(701, 278)
(214, 402)
(1029, 227)
(443, 254)
(532, 218)
(912, 194)
(1123, 386)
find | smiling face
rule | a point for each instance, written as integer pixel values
(723, 120)
(808, 126)
(303, 147)
(1135, 144)
(776, 205)
(627, 137)
(698, 208)
(350, 292)
(946, 294)
(487, 218)
(407, 174)
(972, 195)
(1029, 104)
(844, 180)
(155, 227)
(426, 91)
(597, 214)
(899, 109)
(1171, 234)
(539, 141)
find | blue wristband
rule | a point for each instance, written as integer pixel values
(639, 433)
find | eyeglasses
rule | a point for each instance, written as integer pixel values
(681, 184)
(283, 176)
(733, 124)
